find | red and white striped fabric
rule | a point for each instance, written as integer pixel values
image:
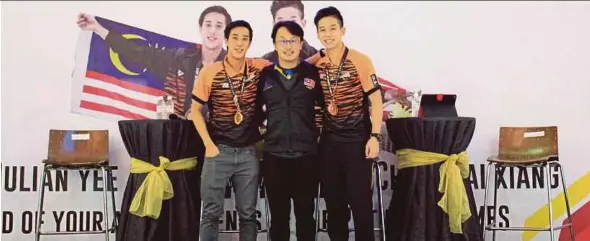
(106, 97)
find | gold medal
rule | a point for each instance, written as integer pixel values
(238, 117)
(333, 109)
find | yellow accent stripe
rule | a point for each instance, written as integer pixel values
(576, 193)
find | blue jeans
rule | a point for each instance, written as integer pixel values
(240, 165)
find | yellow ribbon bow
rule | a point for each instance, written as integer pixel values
(156, 187)
(454, 201)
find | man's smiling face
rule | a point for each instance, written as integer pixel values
(212, 30)
(287, 45)
(238, 42)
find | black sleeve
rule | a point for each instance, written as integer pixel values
(259, 96)
(320, 104)
(320, 101)
(156, 61)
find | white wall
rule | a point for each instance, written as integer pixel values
(511, 64)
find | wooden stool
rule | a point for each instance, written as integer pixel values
(78, 150)
(377, 184)
(527, 147)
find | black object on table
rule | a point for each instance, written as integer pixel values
(147, 140)
(414, 214)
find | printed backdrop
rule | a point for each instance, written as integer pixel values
(430, 47)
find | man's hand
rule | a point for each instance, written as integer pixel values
(88, 22)
(211, 151)
(372, 148)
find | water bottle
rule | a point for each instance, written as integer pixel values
(169, 103)
(164, 107)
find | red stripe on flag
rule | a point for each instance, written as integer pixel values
(119, 97)
(388, 85)
(111, 110)
(127, 85)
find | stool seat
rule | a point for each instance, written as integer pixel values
(528, 162)
(75, 164)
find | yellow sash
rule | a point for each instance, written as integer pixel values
(455, 167)
(156, 187)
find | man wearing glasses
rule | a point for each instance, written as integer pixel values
(289, 90)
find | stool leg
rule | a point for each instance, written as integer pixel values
(567, 202)
(317, 213)
(380, 199)
(105, 181)
(485, 200)
(200, 218)
(548, 187)
(267, 212)
(113, 201)
(40, 204)
(496, 186)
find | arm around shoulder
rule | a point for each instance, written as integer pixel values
(314, 58)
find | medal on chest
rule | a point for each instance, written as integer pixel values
(238, 116)
(333, 106)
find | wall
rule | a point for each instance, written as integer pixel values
(511, 64)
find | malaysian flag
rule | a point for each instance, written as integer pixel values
(106, 86)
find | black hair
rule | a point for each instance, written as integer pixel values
(214, 9)
(328, 12)
(235, 24)
(291, 26)
(280, 4)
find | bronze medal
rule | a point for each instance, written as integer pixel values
(333, 109)
(238, 117)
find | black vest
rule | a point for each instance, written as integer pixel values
(290, 113)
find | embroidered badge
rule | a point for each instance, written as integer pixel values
(345, 75)
(309, 83)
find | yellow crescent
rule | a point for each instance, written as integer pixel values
(117, 61)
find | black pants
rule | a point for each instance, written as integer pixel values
(346, 180)
(287, 179)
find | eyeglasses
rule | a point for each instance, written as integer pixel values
(287, 42)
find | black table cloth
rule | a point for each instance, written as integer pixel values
(414, 214)
(147, 140)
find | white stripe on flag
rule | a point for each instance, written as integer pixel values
(120, 90)
(118, 104)
(102, 115)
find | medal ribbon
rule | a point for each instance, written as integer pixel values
(231, 86)
(338, 73)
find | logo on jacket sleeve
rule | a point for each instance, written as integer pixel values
(267, 86)
(309, 83)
